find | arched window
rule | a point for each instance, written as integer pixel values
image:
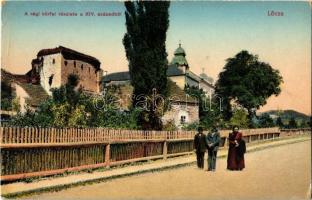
(53, 61)
(51, 79)
(74, 63)
(81, 66)
(183, 119)
(65, 62)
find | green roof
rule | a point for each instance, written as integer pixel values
(179, 60)
(179, 57)
(179, 51)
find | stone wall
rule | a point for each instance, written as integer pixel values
(50, 72)
(178, 109)
(21, 95)
(179, 80)
(89, 77)
(54, 73)
(209, 91)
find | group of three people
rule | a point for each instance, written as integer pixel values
(211, 142)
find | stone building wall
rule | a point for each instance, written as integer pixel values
(209, 91)
(189, 111)
(89, 77)
(21, 95)
(179, 80)
(50, 72)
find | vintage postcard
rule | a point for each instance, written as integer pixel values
(155, 100)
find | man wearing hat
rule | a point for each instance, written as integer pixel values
(213, 140)
(200, 147)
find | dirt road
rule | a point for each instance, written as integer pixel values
(276, 173)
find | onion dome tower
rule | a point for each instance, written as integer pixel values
(179, 58)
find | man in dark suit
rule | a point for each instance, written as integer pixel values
(213, 140)
(200, 147)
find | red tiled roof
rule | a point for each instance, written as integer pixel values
(71, 54)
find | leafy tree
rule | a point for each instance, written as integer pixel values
(170, 126)
(69, 107)
(16, 104)
(309, 122)
(239, 118)
(279, 122)
(68, 92)
(6, 96)
(292, 123)
(266, 121)
(209, 111)
(248, 82)
(302, 124)
(42, 117)
(191, 127)
(145, 45)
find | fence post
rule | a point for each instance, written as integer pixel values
(1, 134)
(165, 150)
(107, 155)
(248, 138)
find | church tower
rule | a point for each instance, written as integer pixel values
(179, 58)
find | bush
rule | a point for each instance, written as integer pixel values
(239, 118)
(69, 107)
(191, 127)
(170, 126)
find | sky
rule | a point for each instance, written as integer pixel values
(210, 32)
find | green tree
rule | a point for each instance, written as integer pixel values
(170, 126)
(292, 123)
(309, 122)
(266, 121)
(16, 104)
(6, 95)
(192, 126)
(209, 110)
(145, 45)
(42, 117)
(239, 118)
(248, 82)
(69, 107)
(279, 122)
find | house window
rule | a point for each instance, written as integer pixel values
(65, 62)
(53, 61)
(89, 70)
(82, 67)
(51, 80)
(183, 119)
(74, 63)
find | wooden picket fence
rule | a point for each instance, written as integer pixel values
(30, 135)
(32, 152)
